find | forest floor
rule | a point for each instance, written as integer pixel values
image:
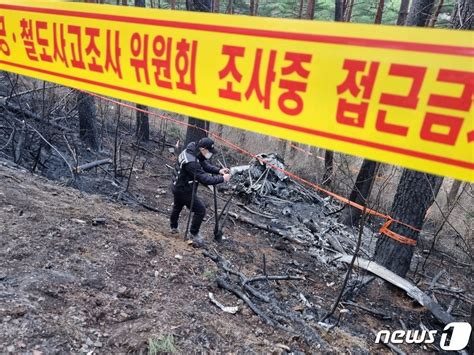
(124, 284)
(85, 269)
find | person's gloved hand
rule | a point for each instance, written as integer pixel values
(226, 177)
(224, 171)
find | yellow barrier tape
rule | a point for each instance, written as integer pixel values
(393, 94)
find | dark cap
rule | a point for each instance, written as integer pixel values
(207, 143)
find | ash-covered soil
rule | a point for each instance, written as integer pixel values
(96, 272)
(69, 284)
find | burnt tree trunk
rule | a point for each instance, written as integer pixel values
(216, 6)
(142, 120)
(329, 154)
(197, 130)
(143, 124)
(328, 167)
(363, 186)
(403, 12)
(348, 10)
(201, 5)
(360, 192)
(434, 18)
(453, 193)
(18, 151)
(282, 148)
(339, 12)
(378, 15)
(416, 191)
(220, 129)
(463, 15)
(242, 138)
(420, 11)
(252, 7)
(198, 127)
(300, 11)
(310, 9)
(87, 120)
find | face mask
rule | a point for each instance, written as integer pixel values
(208, 155)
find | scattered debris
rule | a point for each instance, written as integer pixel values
(264, 177)
(98, 221)
(412, 291)
(77, 220)
(231, 310)
(122, 278)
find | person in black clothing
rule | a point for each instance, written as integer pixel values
(193, 166)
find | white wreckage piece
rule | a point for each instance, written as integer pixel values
(231, 310)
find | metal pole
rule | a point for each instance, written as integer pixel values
(191, 207)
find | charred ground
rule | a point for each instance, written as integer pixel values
(86, 266)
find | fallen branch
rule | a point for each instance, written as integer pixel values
(276, 277)
(244, 282)
(302, 327)
(27, 113)
(134, 145)
(373, 312)
(248, 209)
(243, 279)
(73, 176)
(461, 263)
(9, 140)
(451, 305)
(18, 151)
(435, 280)
(349, 269)
(6, 98)
(132, 199)
(412, 291)
(455, 295)
(93, 164)
(223, 284)
(226, 286)
(259, 225)
(265, 227)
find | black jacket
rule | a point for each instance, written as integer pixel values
(192, 164)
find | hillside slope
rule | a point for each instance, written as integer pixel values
(68, 284)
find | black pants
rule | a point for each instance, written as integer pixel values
(181, 199)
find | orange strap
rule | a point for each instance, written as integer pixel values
(342, 199)
(399, 238)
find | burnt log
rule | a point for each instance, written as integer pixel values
(93, 164)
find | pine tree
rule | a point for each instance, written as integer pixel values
(143, 123)
(416, 191)
(87, 120)
(198, 127)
